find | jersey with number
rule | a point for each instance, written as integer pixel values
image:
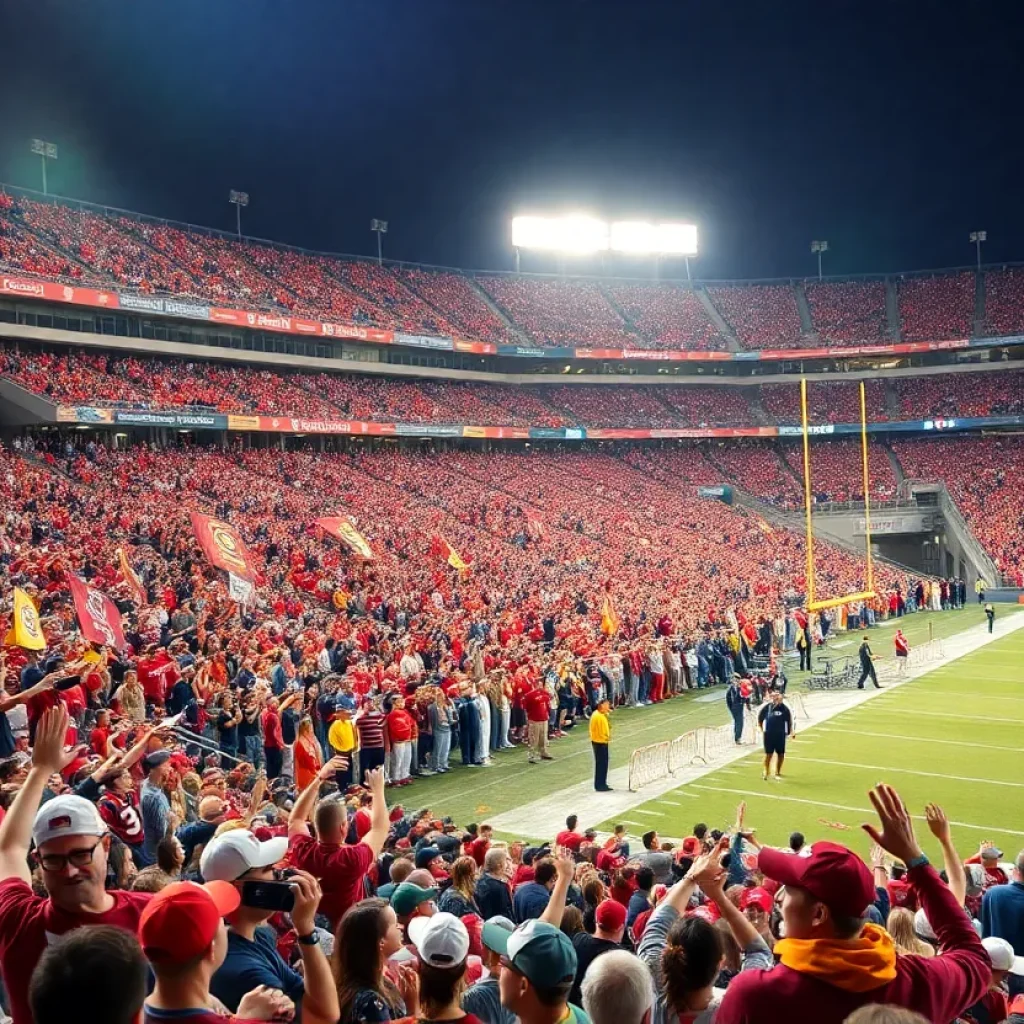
(120, 811)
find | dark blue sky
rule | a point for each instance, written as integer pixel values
(890, 128)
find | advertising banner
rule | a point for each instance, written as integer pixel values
(297, 425)
(34, 288)
(476, 348)
(496, 432)
(222, 545)
(424, 341)
(84, 414)
(720, 492)
(98, 617)
(243, 422)
(192, 420)
(428, 429)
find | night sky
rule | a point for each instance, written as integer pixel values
(890, 129)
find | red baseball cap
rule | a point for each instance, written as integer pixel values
(181, 921)
(760, 898)
(706, 911)
(832, 874)
(610, 915)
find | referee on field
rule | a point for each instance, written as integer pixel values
(776, 722)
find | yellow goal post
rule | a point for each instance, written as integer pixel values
(813, 604)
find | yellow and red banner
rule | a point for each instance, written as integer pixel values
(340, 528)
(222, 545)
(131, 578)
(609, 616)
(26, 631)
(98, 617)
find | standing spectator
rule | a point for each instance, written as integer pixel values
(640, 901)
(401, 728)
(441, 719)
(538, 705)
(373, 739)
(273, 736)
(990, 614)
(104, 969)
(617, 990)
(308, 756)
(343, 738)
(153, 803)
(1002, 915)
(831, 962)
(867, 665)
(73, 845)
(340, 867)
(655, 858)
(735, 703)
(600, 740)
(442, 946)
(492, 892)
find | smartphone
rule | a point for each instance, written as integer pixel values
(268, 896)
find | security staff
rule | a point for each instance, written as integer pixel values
(600, 737)
(990, 614)
(867, 666)
(776, 722)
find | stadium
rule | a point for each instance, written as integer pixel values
(376, 588)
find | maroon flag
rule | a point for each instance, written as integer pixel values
(343, 530)
(98, 617)
(222, 545)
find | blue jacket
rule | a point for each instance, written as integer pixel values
(1002, 914)
(530, 901)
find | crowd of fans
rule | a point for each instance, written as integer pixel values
(937, 307)
(103, 249)
(837, 472)
(848, 312)
(212, 802)
(984, 476)
(827, 401)
(958, 395)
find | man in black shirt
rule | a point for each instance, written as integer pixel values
(776, 723)
(867, 666)
(611, 926)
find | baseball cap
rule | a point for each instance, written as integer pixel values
(345, 702)
(991, 853)
(154, 760)
(1003, 958)
(408, 896)
(832, 874)
(706, 912)
(230, 855)
(757, 897)
(66, 815)
(540, 952)
(498, 923)
(441, 940)
(180, 922)
(425, 855)
(610, 915)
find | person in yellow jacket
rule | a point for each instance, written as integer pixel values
(344, 739)
(600, 737)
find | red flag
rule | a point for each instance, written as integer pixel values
(131, 578)
(98, 617)
(343, 530)
(222, 545)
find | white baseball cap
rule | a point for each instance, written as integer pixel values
(441, 939)
(66, 815)
(1003, 958)
(230, 855)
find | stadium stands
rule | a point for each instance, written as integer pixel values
(763, 316)
(958, 395)
(668, 316)
(837, 472)
(1004, 302)
(827, 402)
(848, 312)
(936, 308)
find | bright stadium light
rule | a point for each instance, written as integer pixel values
(675, 239)
(576, 233)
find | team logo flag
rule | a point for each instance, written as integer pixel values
(240, 590)
(222, 545)
(26, 631)
(131, 578)
(340, 528)
(98, 617)
(609, 616)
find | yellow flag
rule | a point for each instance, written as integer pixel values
(26, 631)
(609, 617)
(456, 562)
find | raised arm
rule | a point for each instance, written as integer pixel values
(48, 758)
(556, 904)
(380, 823)
(712, 880)
(955, 871)
(303, 807)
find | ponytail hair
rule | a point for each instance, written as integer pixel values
(690, 960)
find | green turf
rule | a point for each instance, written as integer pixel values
(470, 794)
(952, 736)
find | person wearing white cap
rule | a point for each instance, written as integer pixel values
(72, 844)
(442, 944)
(994, 1004)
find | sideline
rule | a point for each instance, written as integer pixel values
(546, 816)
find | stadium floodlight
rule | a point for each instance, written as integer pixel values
(819, 248)
(45, 151)
(381, 228)
(977, 237)
(238, 199)
(576, 233)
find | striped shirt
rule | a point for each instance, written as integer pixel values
(371, 729)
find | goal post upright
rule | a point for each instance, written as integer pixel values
(813, 604)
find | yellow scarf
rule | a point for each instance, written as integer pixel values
(854, 965)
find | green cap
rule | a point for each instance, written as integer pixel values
(540, 952)
(407, 897)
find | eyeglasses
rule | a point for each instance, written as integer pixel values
(76, 858)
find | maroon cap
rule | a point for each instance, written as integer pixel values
(610, 915)
(832, 874)
(760, 898)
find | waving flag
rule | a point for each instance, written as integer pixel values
(222, 545)
(131, 578)
(609, 616)
(98, 617)
(340, 528)
(26, 631)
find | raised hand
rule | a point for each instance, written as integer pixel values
(897, 832)
(375, 780)
(48, 752)
(938, 822)
(338, 763)
(265, 1003)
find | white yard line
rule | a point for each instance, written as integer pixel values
(888, 769)
(912, 739)
(545, 816)
(945, 714)
(774, 794)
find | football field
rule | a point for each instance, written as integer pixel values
(953, 736)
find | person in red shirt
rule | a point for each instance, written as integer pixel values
(401, 729)
(338, 866)
(100, 734)
(537, 703)
(73, 845)
(157, 672)
(273, 739)
(569, 837)
(832, 962)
